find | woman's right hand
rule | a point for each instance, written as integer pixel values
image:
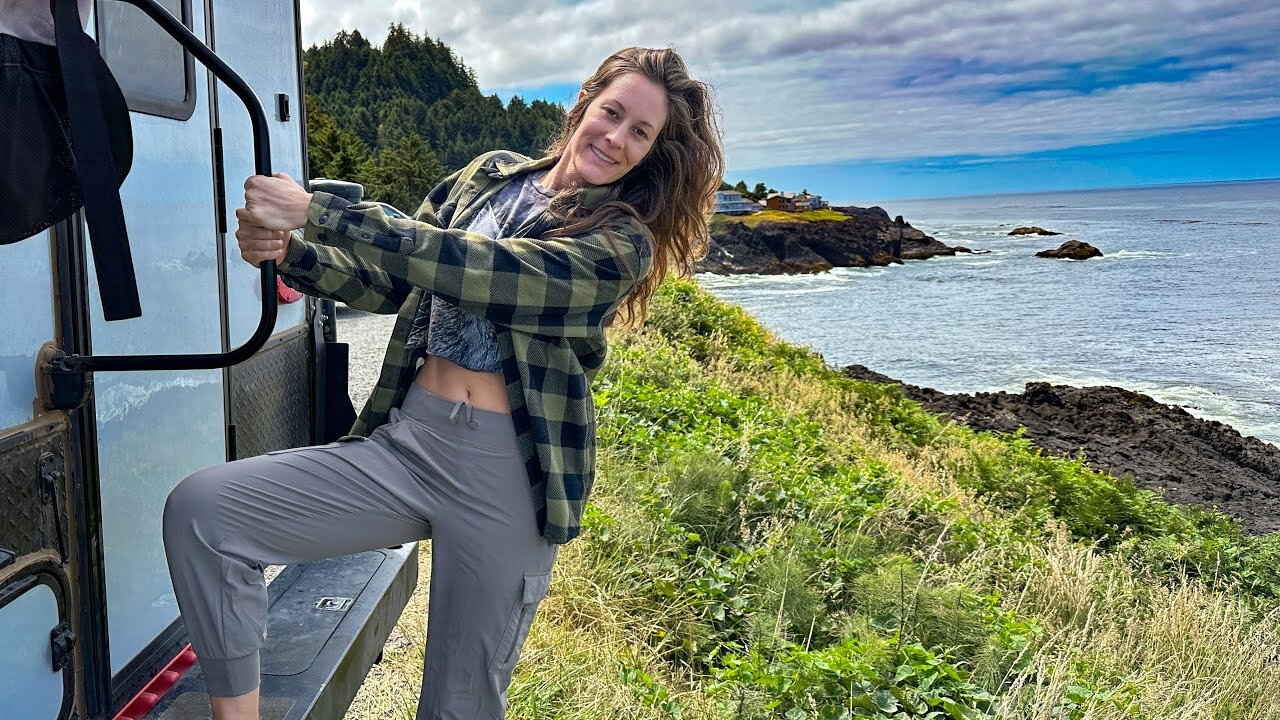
(258, 243)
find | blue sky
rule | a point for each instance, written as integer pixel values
(907, 98)
(1245, 152)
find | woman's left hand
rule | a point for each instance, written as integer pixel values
(274, 203)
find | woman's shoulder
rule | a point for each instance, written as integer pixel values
(496, 160)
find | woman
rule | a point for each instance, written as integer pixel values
(480, 433)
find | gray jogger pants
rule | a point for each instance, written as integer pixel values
(440, 470)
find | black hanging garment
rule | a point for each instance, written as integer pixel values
(66, 142)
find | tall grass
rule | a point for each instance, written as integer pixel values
(780, 216)
(769, 539)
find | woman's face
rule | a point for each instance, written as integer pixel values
(617, 131)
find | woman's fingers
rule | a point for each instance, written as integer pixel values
(258, 243)
(256, 258)
(275, 202)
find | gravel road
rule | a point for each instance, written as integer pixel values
(367, 334)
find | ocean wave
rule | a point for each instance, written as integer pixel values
(983, 263)
(1244, 223)
(859, 272)
(793, 292)
(1207, 404)
(780, 285)
(1138, 254)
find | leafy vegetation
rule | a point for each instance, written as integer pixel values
(770, 539)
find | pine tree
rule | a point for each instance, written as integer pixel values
(403, 175)
(373, 99)
(332, 151)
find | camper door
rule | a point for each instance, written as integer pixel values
(81, 558)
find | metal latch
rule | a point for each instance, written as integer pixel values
(61, 640)
(60, 385)
(51, 476)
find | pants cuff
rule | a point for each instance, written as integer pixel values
(232, 677)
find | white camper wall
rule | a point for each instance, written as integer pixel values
(29, 691)
(155, 428)
(26, 294)
(258, 40)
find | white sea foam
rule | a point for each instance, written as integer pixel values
(1137, 254)
(1245, 416)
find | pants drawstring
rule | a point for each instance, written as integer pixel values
(453, 416)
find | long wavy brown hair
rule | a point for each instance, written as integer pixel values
(672, 191)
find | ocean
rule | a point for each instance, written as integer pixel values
(1182, 307)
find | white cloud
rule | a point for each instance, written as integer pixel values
(883, 79)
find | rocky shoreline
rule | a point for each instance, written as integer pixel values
(1121, 432)
(868, 237)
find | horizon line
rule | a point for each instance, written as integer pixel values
(1097, 188)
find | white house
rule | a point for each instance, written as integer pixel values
(731, 202)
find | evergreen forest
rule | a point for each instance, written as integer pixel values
(400, 117)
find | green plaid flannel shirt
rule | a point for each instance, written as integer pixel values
(549, 299)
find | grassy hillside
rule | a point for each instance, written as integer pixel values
(786, 217)
(769, 539)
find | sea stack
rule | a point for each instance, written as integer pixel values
(1032, 230)
(1072, 250)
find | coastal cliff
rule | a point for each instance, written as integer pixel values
(840, 237)
(1121, 432)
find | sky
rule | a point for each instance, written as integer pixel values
(886, 99)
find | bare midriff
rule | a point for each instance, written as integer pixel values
(481, 390)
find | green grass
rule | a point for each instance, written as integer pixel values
(770, 539)
(754, 219)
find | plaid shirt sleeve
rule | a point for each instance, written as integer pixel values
(562, 287)
(336, 274)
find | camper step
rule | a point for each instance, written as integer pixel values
(326, 625)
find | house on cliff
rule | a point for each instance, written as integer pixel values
(731, 202)
(805, 201)
(795, 202)
(786, 202)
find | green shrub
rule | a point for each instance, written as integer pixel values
(750, 551)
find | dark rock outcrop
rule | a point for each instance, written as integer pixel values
(1121, 432)
(1032, 230)
(1072, 250)
(918, 246)
(866, 238)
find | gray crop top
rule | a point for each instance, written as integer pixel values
(458, 335)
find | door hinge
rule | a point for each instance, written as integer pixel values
(61, 641)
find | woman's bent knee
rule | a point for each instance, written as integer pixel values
(191, 501)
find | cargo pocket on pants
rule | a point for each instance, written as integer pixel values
(517, 630)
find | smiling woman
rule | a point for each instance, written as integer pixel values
(616, 132)
(480, 434)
